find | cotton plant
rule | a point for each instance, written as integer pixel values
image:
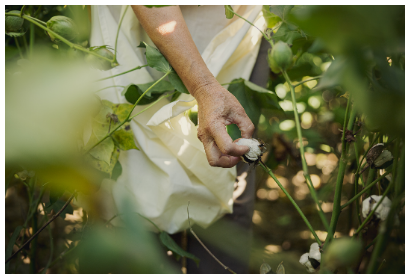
(312, 259)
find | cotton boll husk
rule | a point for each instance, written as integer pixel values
(384, 157)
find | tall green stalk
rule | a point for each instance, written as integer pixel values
(304, 163)
(117, 33)
(340, 178)
(268, 171)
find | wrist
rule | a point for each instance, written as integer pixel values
(208, 90)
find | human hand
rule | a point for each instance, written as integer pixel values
(217, 109)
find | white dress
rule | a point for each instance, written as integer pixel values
(171, 167)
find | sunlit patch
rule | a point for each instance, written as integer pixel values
(304, 141)
(194, 108)
(271, 249)
(256, 217)
(314, 102)
(310, 158)
(325, 66)
(287, 125)
(325, 148)
(317, 61)
(167, 162)
(183, 148)
(184, 125)
(300, 107)
(76, 216)
(169, 253)
(281, 91)
(167, 28)
(316, 181)
(272, 184)
(262, 193)
(327, 207)
(26, 260)
(286, 105)
(306, 120)
(310, 84)
(240, 185)
(273, 195)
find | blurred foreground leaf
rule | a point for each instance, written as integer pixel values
(174, 247)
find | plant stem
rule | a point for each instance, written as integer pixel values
(128, 118)
(307, 80)
(204, 246)
(43, 227)
(19, 48)
(264, 35)
(64, 40)
(340, 178)
(33, 248)
(159, 230)
(356, 197)
(117, 33)
(25, 44)
(32, 36)
(152, 104)
(112, 76)
(51, 242)
(113, 86)
(356, 179)
(304, 163)
(268, 171)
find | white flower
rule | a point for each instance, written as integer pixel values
(254, 152)
(314, 254)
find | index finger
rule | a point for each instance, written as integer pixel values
(224, 142)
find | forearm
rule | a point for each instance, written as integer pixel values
(167, 29)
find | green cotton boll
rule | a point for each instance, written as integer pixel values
(14, 23)
(99, 63)
(282, 55)
(63, 26)
(272, 63)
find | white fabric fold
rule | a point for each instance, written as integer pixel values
(171, 168)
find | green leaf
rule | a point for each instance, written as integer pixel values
(175, 96)
(288, 34)
(252, 97)
(333, 75)
(156, 60)
(177, 83)
(123, 138)
(228, 11)
(102, 165)
(10, 245)
(281, 10)
(172, 246)
(117, 171)
(102, 151)
(134, 91)
(271, 19)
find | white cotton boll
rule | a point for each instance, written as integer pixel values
(315, 252)
(304, 261)
(254, 152)
(371, 202)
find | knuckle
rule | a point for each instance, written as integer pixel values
(213, 163)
